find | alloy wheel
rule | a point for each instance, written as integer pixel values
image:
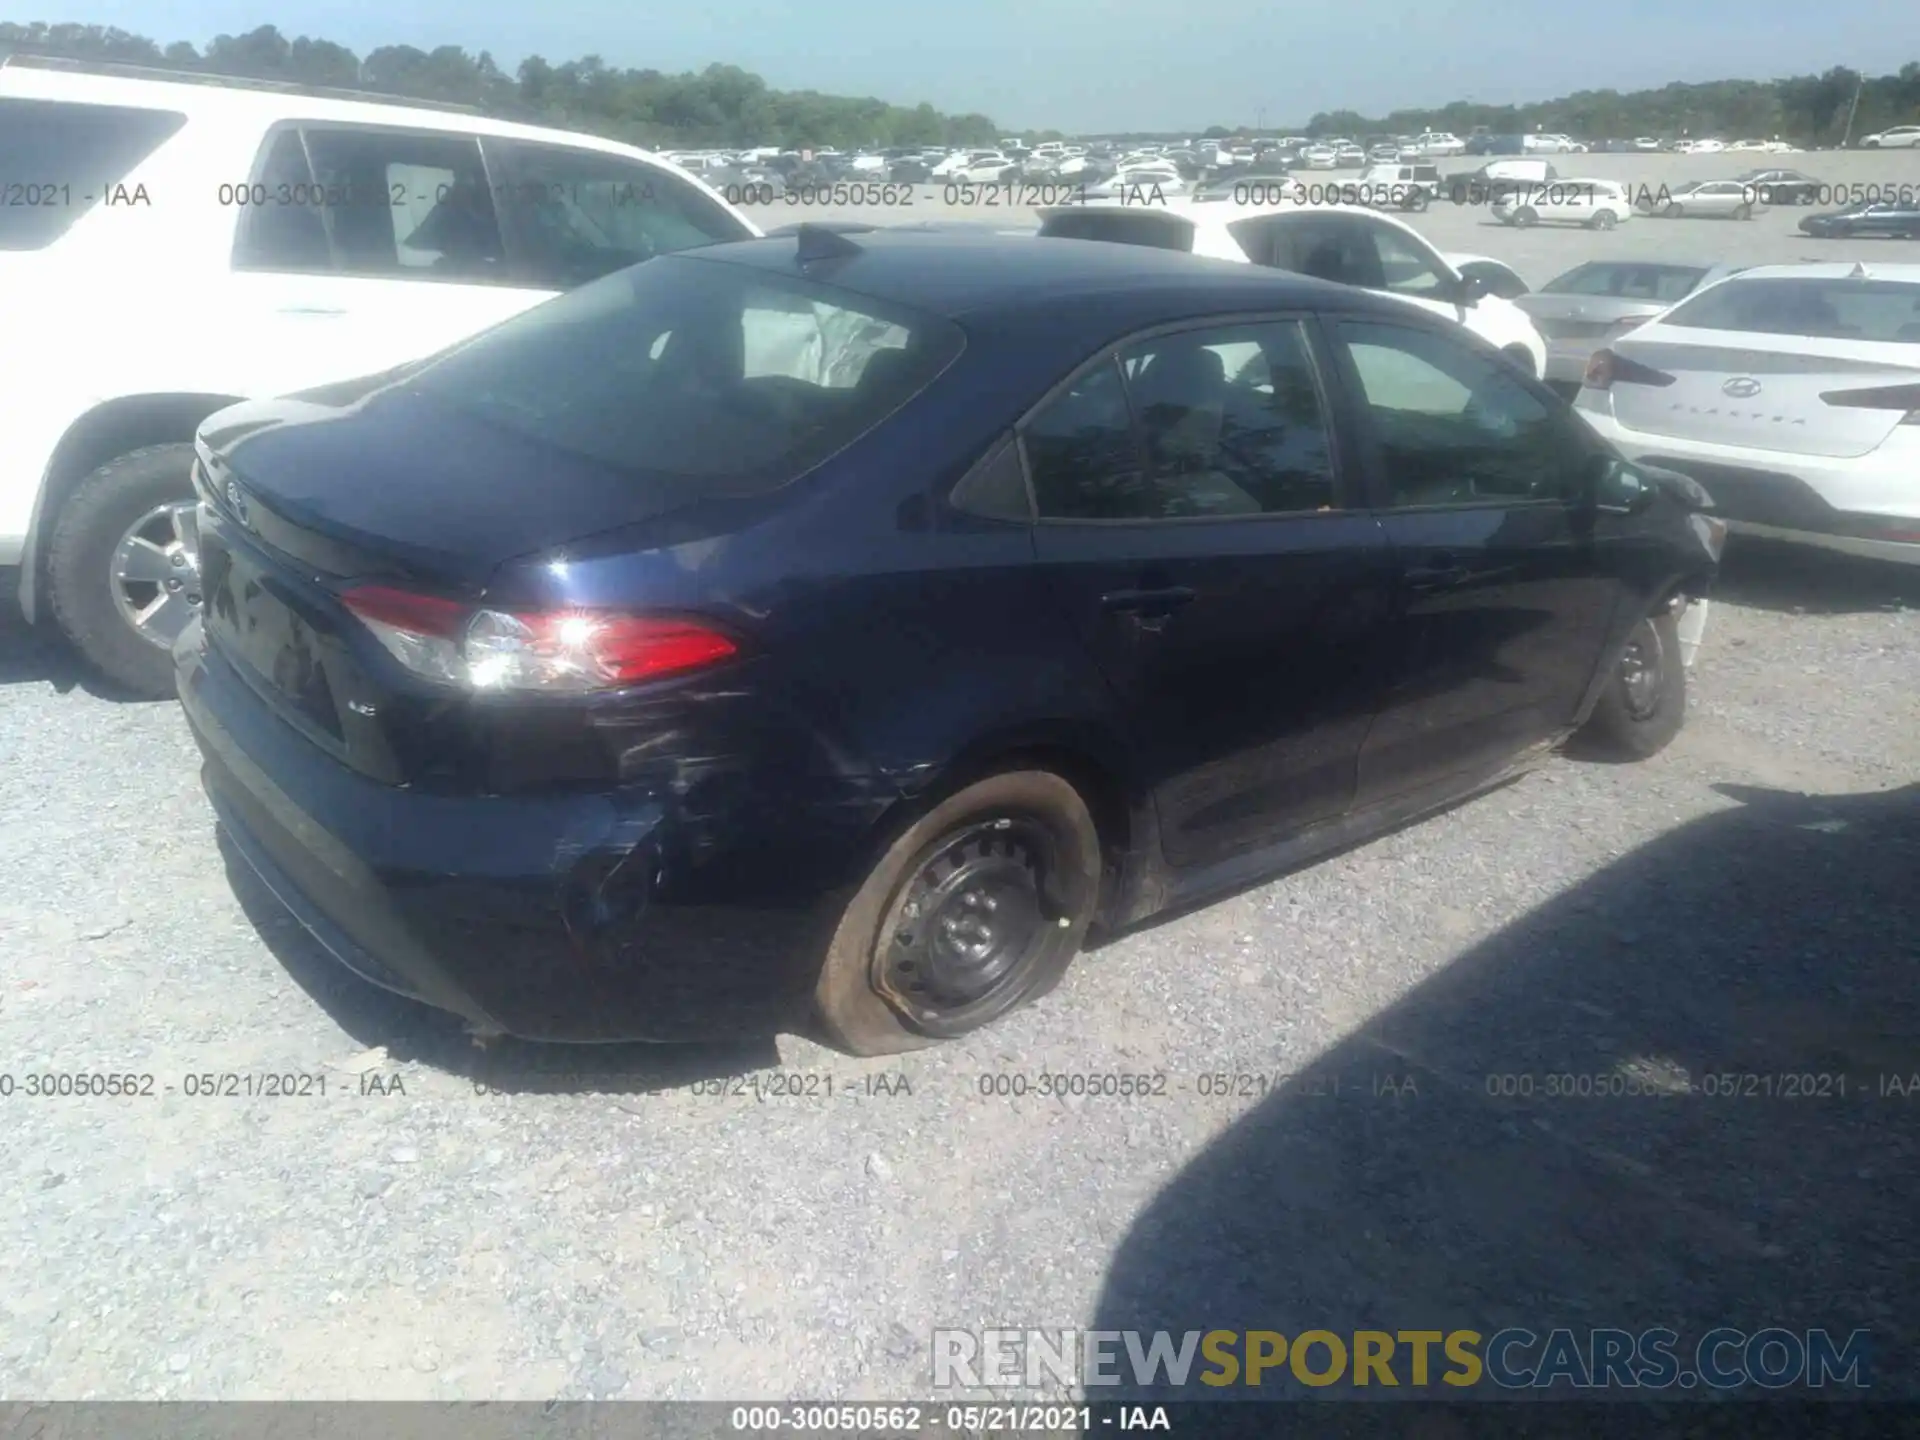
(155, 573)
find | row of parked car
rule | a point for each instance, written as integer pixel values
(626, 625)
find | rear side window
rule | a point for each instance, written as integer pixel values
(59, 160)
(406, 204)
(1882, 311)
(1142, 227)
(580, 214)
(709, 379)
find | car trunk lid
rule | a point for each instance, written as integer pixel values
(1725, 390)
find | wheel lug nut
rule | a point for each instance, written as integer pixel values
(173, 584)
(177, 559)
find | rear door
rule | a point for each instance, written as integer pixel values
(1363, 251)
(370, 246)
(1196, 522)
(1502, 597)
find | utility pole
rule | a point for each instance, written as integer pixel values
(1859, 84)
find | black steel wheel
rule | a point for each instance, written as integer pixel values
(977, 909)
(1645, 700)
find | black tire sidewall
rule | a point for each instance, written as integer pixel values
(80, 551)
(848, 1013)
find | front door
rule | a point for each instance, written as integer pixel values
(1503, 596)
(1196, 524)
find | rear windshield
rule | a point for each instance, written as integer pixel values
(1664, 283)
(1884, 311)
(1140, 227)
(58, 160)
(728, 378)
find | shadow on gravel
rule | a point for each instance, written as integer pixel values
(32, 655)
(1735, 1010)
(1767, 575)
(414, 1032)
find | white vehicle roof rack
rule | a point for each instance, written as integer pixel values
(114, 68)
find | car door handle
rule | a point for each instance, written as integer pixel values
(1137, 602)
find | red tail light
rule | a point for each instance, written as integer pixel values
(1607, 368)
(565, 651)
(1880, 397)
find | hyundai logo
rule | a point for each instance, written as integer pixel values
(1741, 387)
(239, 503)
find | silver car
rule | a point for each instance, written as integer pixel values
(1721, 199)
(1578, 312)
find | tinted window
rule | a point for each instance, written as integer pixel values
(719, 379)
(581, 214)
(58, 159)
(288, 229)
(1082, 457)
(1140, 227)
(1351, 251)
(1835, 309)
(407, 203)
(1454, 427)
(1232, 422)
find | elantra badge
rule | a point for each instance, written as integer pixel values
(1741, 387)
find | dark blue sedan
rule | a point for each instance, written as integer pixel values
(826, 631)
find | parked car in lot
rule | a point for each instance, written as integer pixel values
(1781, 187)
(303, 237)
(1344, 244)
(1898, 137)
(1711, 199)
(1894, 220)
(1596, 204)
(1791, 392)
(722, 686)
(1601, 300)
(1437, 142)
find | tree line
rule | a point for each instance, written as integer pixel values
(724, 105)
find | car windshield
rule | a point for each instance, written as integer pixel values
(1879, 311)
(687, 368)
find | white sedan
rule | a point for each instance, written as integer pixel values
(1900, 137)
(1791, 392)
(1720, 199)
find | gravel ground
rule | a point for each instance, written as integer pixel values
(602, 1227)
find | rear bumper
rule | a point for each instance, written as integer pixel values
(1867, 505)
(587, 917)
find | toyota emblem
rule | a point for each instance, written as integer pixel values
(239, 503)
(1741, 387)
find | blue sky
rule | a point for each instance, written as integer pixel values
(1095, 65)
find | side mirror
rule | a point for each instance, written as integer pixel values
(1471, 290)
(1616, 488)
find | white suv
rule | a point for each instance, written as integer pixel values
(1346, 244)
(180, 246)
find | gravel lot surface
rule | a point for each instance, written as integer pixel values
(598, 1225)
(1544, 251)
(1744, 902)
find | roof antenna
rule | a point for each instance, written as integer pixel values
(819, 243)
(1859, 271)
